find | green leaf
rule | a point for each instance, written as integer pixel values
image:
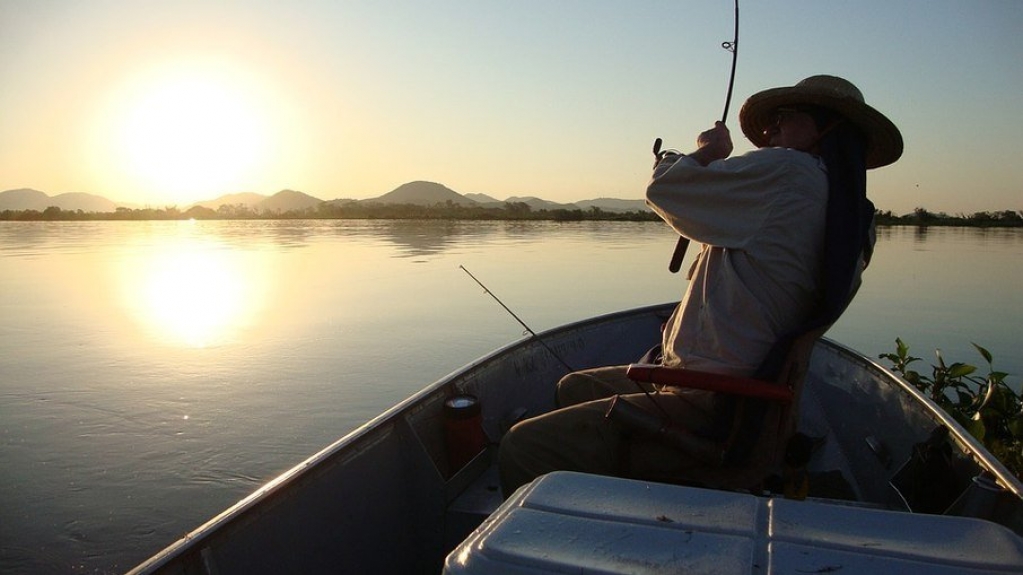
(960, 370)
(914, 378)
(997, 376)
(902, 353)
(901, 346)
(984, 352)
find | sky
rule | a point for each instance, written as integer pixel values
(169, 103)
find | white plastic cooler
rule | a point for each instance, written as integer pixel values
(578, 523)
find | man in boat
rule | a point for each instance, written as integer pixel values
(766, 221)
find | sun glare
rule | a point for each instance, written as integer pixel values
(189, 132)
(193, 294)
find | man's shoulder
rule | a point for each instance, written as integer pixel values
(786, 159)
(783, 155)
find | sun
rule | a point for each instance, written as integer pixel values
(190, 132)
(192, 292)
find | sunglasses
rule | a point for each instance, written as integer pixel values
(785, 113)
(823, 118)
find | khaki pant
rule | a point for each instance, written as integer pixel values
(578, 436)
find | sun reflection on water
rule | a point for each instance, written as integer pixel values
(194, 293)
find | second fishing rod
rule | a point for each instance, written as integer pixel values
(632, 414)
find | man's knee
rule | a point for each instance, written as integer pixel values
(578, 438)
(574, 388)
(513, 456)
(592, 384)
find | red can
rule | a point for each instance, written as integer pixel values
(463, 429)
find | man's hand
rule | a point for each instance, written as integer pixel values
(714, 144)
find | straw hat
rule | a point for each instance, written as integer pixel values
(884, 142)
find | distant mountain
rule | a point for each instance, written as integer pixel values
(288, 200)
(423, 194)
(483, 199)
(418, 193)
(23, 199)
(282, 201)
(84, 202)
(29, 199)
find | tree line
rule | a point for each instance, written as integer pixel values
(327, 210)
(923, 217)
(452, 211)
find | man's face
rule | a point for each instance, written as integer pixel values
(793, 128)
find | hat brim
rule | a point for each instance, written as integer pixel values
(884, 141)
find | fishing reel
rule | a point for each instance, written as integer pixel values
(683, 243)
(660, 154)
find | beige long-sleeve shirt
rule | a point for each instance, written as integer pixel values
(761, 220)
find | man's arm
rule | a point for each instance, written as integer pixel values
(713, 144)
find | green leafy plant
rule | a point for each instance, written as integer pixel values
(985, 406)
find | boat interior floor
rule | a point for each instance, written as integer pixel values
(482, 497)
(829, 472)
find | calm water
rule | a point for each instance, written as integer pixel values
(151, 374)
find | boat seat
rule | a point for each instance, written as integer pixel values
(716, 382)
(757, 440)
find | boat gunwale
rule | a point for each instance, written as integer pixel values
(338, 448)
(969, 444)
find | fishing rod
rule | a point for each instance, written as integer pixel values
(683, 242)
(732, 47)
(522, 323)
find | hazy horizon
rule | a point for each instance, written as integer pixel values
(174, 103)
(263, 195)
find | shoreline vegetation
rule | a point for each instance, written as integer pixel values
(453, 211)
(987, 406)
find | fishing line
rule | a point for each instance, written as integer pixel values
(522, 323)
(551, 351)
(683, 242)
